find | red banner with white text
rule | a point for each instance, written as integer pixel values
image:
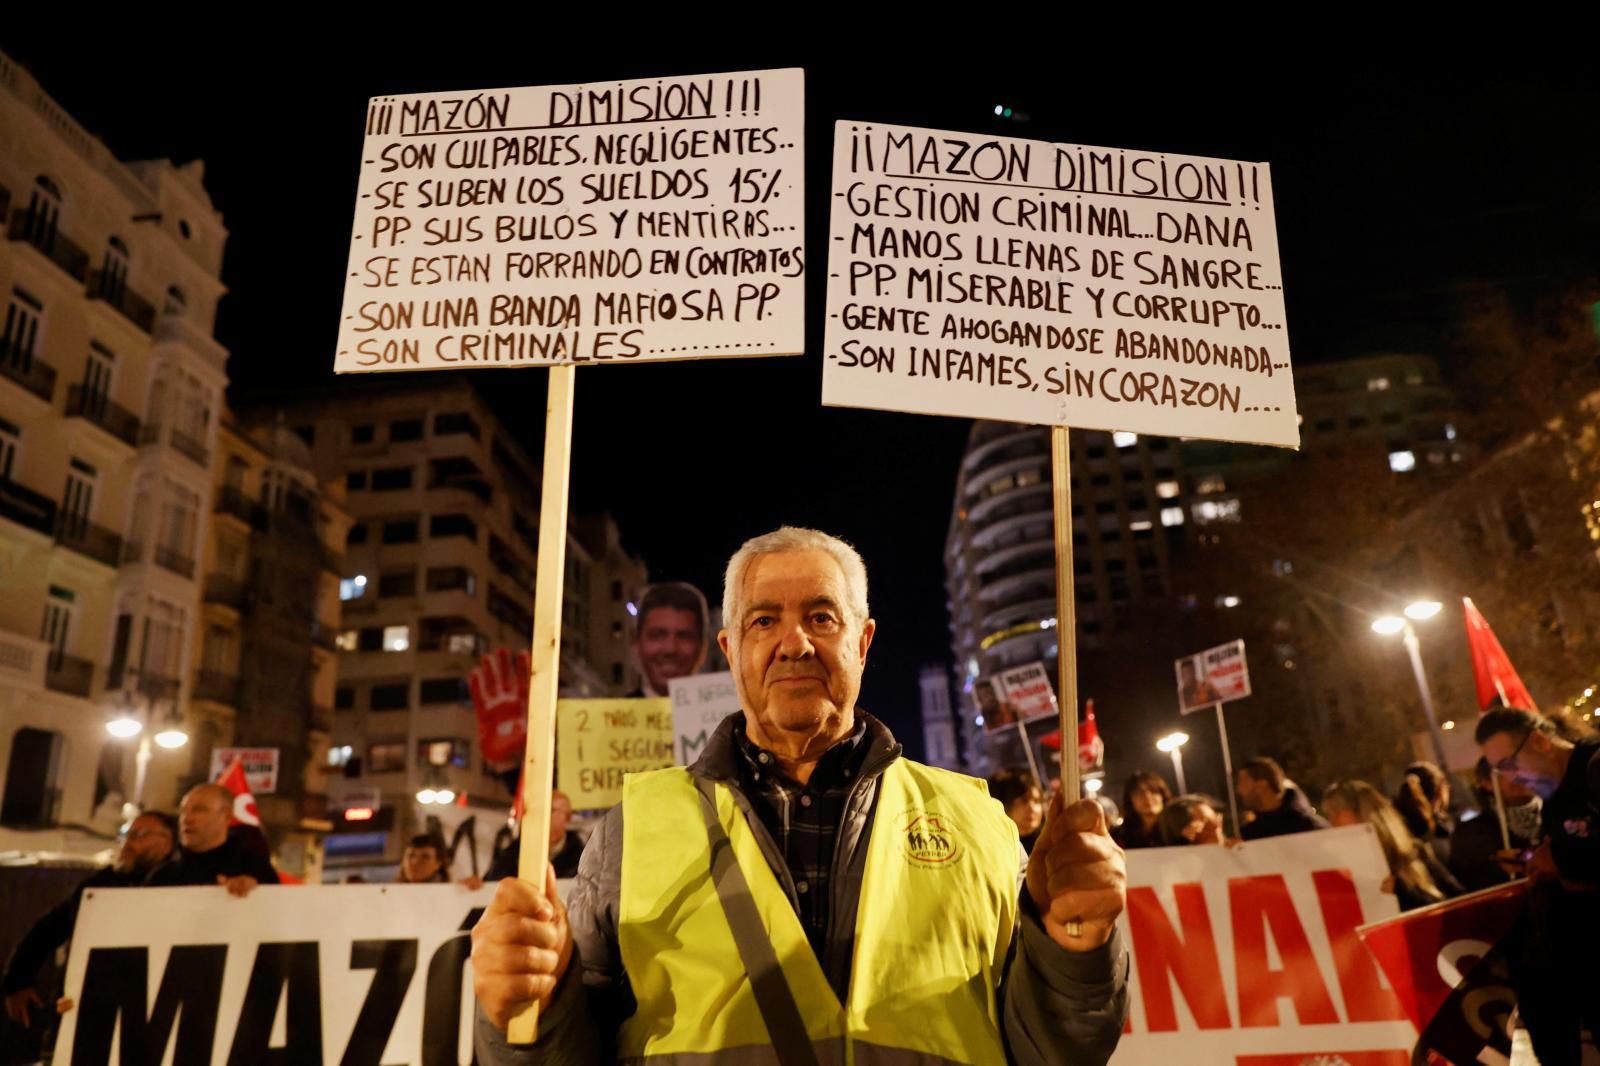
(1248, 955)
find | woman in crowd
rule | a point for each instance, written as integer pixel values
(1190, 820)
(1416, 877)
(1019, 794)
(1424, 802)
(1143, 798)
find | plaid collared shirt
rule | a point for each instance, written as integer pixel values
(804, 819)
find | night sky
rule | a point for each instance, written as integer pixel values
(1397, 179)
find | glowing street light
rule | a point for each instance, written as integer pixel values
(1422, 610)
(124, 726)
(1388, 626)
(1093, 784)
(1173, 744)
(172, 738)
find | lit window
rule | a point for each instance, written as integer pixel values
(1211, 483)
(1402, 461)
(1141, 525)
(353, 588)
(1172, 516)
(1216, 511)
(462, 644)
(1167, 489)
(1124, 439)
(1227, 601)
(396, 638)
(1377, 384)
(348, 640)
(1282, 567)
(340, 754)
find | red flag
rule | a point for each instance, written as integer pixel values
(1411, 947)
(244, 802)
(1496, 678)
(1091, 749)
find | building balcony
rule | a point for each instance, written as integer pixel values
(27, 508)
(69, 674)
(321, 718)
(175, 561)
(28, 371)
(93, 406)
(226, 590)
(190, 448)
(22, 659)
(217, 687)
(84, 537)
(325, 636)
(33, 228)
(232, 501)
(113, 291)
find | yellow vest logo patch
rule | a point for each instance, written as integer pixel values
(929, 839)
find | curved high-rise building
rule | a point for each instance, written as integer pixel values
(1127, 514)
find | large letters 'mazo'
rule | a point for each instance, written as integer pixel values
(115, 985)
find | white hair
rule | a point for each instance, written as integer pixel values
(796, 539)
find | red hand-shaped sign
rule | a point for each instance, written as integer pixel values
(499, 685)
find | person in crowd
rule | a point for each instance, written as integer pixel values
(1561, 938)
(1479, 857)
(804, 850)
(670, 640)
(212, 855)
(1144, 795)
(1416, 877)
(1189, 820)
(566, 846)
(1019, 794)
(1423, 800)
(422, 861)
(148, 843)
(1280, 808)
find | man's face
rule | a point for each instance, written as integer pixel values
(1186, 668)
(1513, 793)
(419, 863)
(1531, 763)
(671, 644)
(988, 703)
(1251, 793)
(146, 844)
(203, 820)
(796, 654)
(560, 815)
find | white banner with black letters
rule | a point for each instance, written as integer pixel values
(334, 974)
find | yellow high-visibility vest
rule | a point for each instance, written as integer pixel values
(933, 926)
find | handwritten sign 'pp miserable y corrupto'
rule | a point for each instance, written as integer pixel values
(612, 222)
(1055, 284)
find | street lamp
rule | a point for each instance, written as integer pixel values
(1173, 744)
(130, 722)
(1388, 626)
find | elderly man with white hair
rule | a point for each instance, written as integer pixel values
(805, 894)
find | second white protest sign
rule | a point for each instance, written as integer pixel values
(1055, 284)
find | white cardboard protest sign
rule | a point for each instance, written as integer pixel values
(1248, 954)
(315, 973)
(1216, 675)
(699, 704)
(625, 221)
(260, 767)
(1055, 284)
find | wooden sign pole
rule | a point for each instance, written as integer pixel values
(1066, 609)
(539, 762)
